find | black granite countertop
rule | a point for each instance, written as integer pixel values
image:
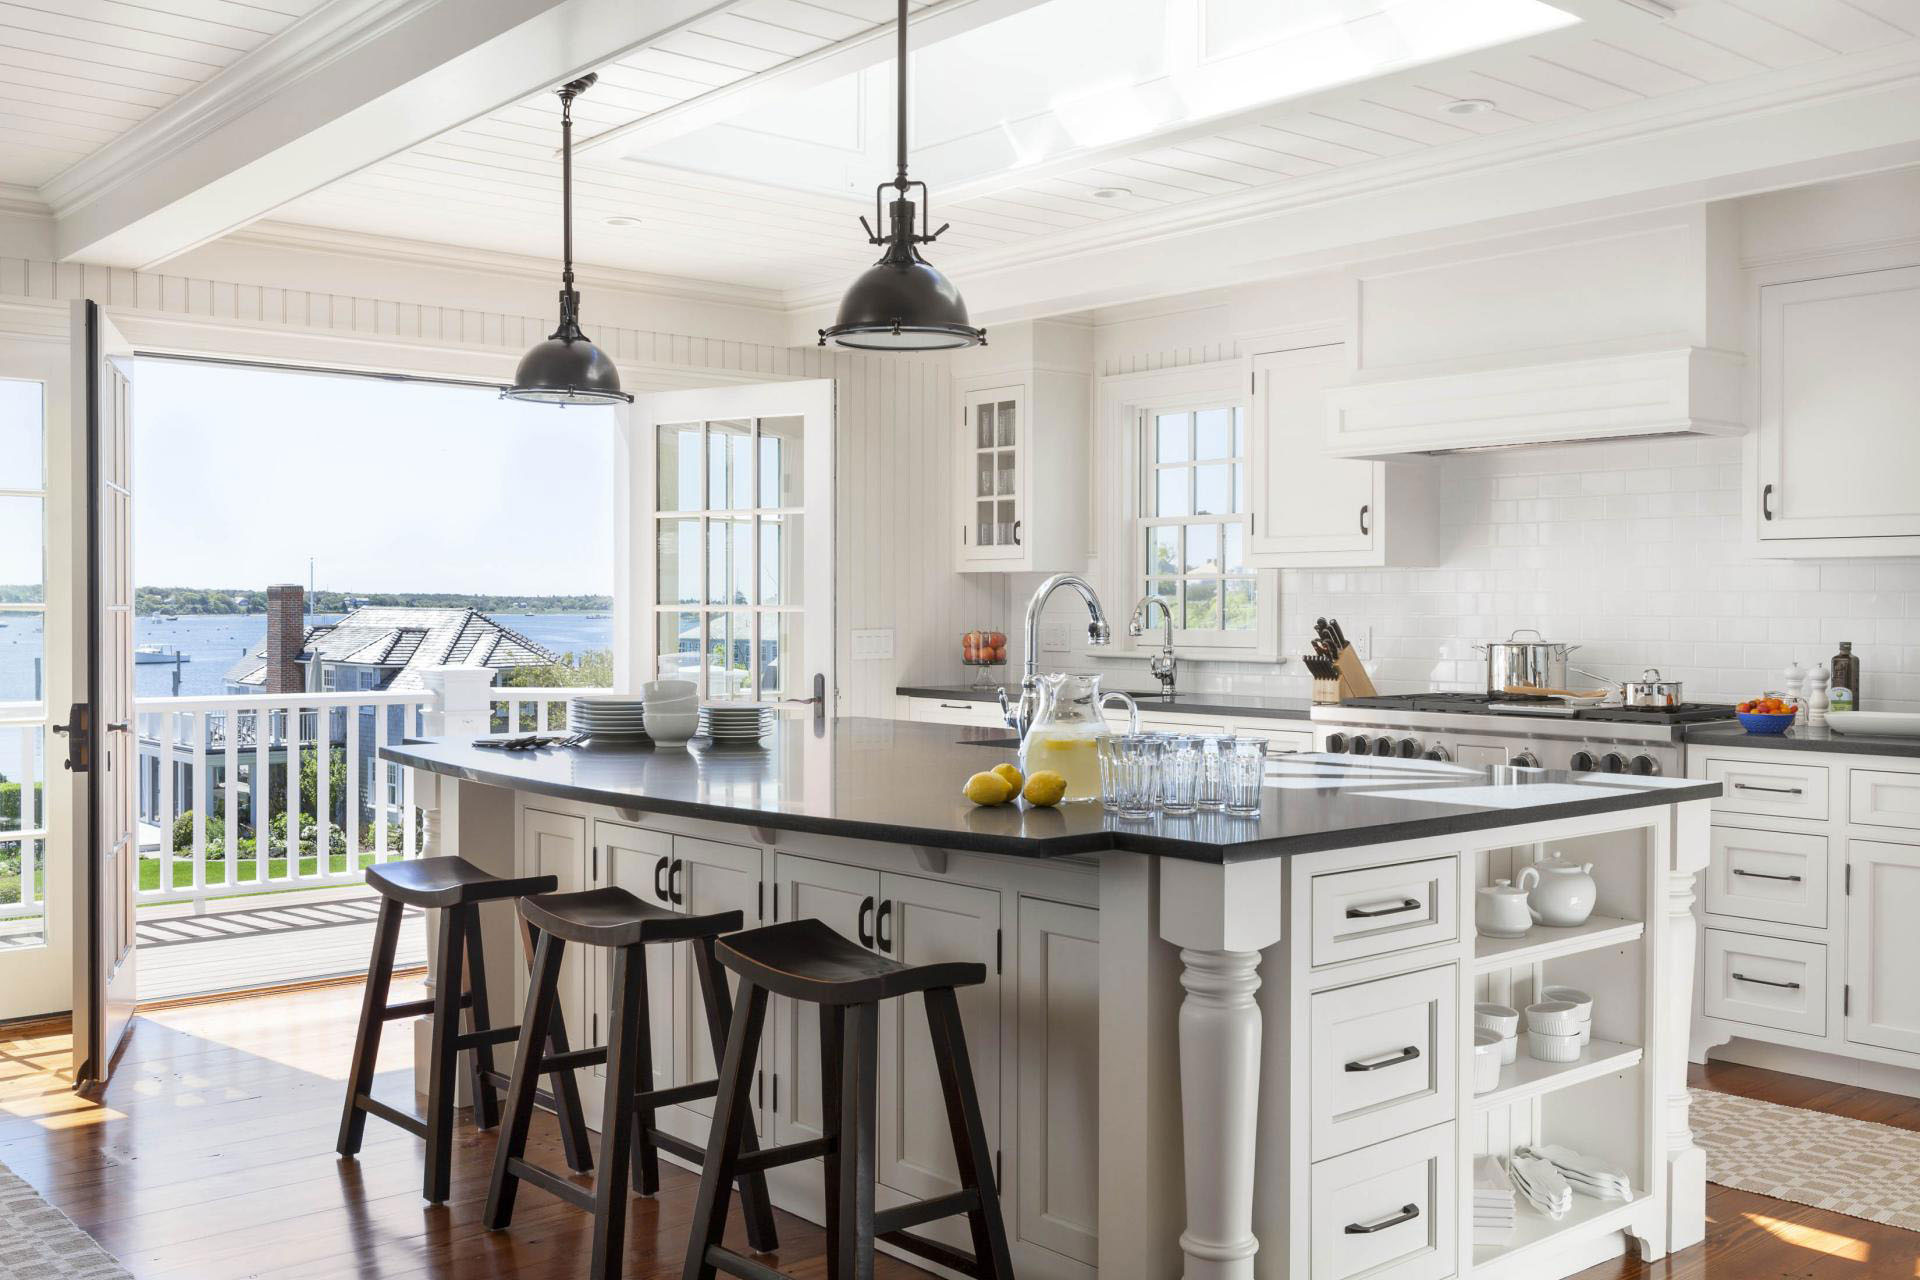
(899, 781)
(1802, 738)
(1200, 704)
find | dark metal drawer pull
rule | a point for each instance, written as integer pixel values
(1368, 913)
(1767, 982)
(1408, 1212)
(1777, 791)
(1407, 1054)
(1762, 875)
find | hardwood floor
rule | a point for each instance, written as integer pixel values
(210, 1157)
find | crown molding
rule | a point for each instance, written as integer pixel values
(322, 37)
(15, 198)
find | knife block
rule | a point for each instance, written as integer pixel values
(1352, 681)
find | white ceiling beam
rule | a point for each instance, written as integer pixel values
(352, 83)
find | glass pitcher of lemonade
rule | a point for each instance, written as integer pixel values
(1065, 735)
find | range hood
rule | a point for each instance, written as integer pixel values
(1685, 391)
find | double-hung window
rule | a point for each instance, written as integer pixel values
(1193, 527)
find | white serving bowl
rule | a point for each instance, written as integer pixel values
(669, 691)
(673, 729)
(1486, 1061)
(1551, 1048)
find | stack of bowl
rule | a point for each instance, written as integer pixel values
(673, 711)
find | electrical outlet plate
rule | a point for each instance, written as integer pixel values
(1055, 637)
(873, 644)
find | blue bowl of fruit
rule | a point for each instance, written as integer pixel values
(1764, 716)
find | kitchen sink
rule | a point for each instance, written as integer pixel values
(990, 742)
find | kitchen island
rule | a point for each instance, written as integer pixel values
(1286, 1000)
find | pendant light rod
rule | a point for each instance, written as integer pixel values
(568, 92)
(900, 102)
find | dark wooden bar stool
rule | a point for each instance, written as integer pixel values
(616, 919)
(806, 960)
(455, 887)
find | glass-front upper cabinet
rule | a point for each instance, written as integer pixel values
(1020, 494)
(995, 506)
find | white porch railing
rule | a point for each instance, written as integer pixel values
(23, 807)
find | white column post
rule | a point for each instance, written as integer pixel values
(1686, 1163)
(1221, 917)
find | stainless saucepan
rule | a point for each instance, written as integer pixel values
(1515, 663)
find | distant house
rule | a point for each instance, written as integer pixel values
(389, 647)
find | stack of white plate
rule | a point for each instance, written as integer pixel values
(1585, 1174)
(735, 723)
(608, 719)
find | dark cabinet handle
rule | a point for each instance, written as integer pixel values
(880, 933)
(1772, 791)
(865, 926)
(660, 889)
(1016, 533)
(673, 882)
(1407, 1054)
(1408, 1212)
(1364, 528)
(1766, 503)
(1368, 913)
(1767, 982)
(1763, 875)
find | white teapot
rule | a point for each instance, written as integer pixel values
(1500, 911)
(1559, 893)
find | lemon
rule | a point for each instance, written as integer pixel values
(988, 789)
(1011, 772)
(1045, 788)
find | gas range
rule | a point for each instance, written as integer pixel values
(1505, 729)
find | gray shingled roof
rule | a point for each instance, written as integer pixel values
(409, 638)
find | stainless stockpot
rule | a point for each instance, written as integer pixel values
(1531, 664)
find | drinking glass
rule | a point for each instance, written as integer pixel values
(1246, 771)
(1130, 774)
(1210, 788)
(1179, 774)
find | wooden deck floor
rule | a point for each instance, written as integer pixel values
(265, 942)
(210, 1157)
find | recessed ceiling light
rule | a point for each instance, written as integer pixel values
(1469, 106)
(621, 220)
(1110, 193)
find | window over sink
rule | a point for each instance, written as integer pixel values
(1193, 527)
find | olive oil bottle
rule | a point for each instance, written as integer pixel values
(1844, 693)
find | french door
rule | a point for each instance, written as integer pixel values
(731, 503)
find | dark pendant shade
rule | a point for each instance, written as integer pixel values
(567, 368)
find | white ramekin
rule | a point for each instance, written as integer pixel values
(1580, 1000)
(1551, 1048)
(1555, 1017)
(1486, 1060)
(1500, 1019)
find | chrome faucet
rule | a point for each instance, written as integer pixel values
(1162, 665)
(1020, 718)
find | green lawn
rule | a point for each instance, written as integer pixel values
(249, 873)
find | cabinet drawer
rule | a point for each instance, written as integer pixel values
(1770, 982)
(1768, 875)
(1783, 790)
(956, 711)
(1279, 741)
(1384, 1056)
(1882, 798)
(1380, 909)
(1386, 1212)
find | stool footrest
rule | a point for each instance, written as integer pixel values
(738, 1264)
(552, 1183)
(542, 1098)
(903, 1216)
(667, 1142)
(414, 1008)
(572, 1059)
(773, 1157)
(933, 1251)
(492, 1035)
(392, 1115)
(676, 1094)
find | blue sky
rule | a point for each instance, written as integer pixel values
(241, 474)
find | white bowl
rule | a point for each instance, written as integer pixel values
(1486, 1061)
(1500, 1019)
(669, 690)
(1555, 1017)
(1581, 1002)
(673, 706)
(671, 730)
(1551, 1048)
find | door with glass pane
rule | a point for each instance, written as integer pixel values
(735, 485)
(993, 505)
(36, 905)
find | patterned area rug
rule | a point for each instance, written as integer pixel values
(38, 1242)
(1855, 1167)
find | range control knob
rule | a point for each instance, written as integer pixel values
(1336, 743)
(1613, 762)
(1582, 762)
(1409, 749)
(1525, 760)
(1645, 766)
(1361, 745)
(1383, 745)
(1437, 753)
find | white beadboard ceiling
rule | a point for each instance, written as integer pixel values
(76, 74)
(493, 184)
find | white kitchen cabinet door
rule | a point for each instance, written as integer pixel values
(845, 899)
(1053, 1193)
(706, 878)
(638, 860)
(1837, 450)
(1883, 948)
(924, 921)
(555, 844)
(993, 472)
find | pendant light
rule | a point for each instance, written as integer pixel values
(567, 368)
(901, 303)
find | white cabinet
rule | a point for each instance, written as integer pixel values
(1310, 509)
(641, 862)
(1883, 949)
(1836, 452)
(1052, 1189)
(555, 844)
(845, 899)
(957, 711)
(1022, 467)
(707, 878)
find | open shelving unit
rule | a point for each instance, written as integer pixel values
(1529, 1077)
(1533, 1231)
(1542, 943)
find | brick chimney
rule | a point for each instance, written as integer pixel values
(286, 634)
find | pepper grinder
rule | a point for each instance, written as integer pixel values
(1817, 696)
(1796, 677)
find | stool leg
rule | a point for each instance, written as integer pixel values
(970, 1148)
(566, 1088)
(755, 1205)
(486, 1099)
(833, 1030)
(543, 995)
(646, 1157)
(859, 1072)
(445, 1057)
(723, 1142)
(616, 1122)
(366, 1041)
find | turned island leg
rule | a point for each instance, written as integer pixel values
(1686, 1163)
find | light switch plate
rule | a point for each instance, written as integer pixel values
(875, 643)
(1055, 637)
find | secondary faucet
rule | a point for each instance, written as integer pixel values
(1020, 717)
(1162, 665)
